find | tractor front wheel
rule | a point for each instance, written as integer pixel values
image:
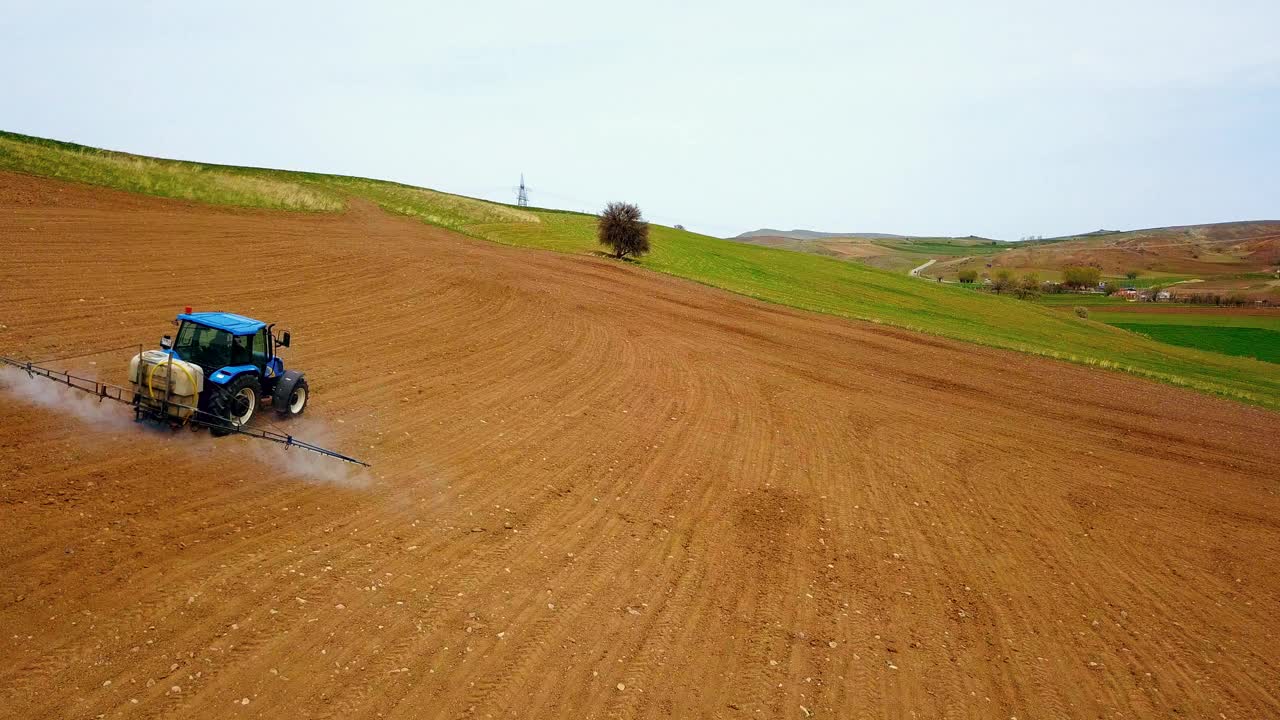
(234, 404)
(291, 395)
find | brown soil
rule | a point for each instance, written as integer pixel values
(601, 492)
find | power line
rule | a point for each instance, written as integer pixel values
(522, 197)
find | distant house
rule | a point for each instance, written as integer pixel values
(1128, 293)
(1163, 296)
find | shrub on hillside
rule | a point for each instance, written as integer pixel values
(1028, 288)
(1082, 312)
(622, 229)
(968, 276)
(1002, 281)
(1081, 276)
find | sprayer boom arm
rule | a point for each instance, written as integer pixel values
(107, 391)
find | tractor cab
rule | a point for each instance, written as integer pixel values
(238, 365)
(226, 344)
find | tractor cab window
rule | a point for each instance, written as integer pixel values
(240, 352)
(260, 348)
(207, 347)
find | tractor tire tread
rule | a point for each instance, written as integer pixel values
(220, 403)
(284, 393)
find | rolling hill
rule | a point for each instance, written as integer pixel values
(897, 253)
(1236, 256)
(1245, 246)
(1232, 257)
(812, 235)
(799, 280)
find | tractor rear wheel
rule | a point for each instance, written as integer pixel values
(234, 404)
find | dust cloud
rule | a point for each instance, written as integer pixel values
(110, 416)
(103, 414)
(304, 464)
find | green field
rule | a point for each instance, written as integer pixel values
(1072, 299)
(1270, 321)
(1253, 336)
(943, 247)
(1248, 342)
(799, 280)
(1146, 281)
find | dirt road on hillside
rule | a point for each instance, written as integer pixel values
(915, 272)
(599, 492)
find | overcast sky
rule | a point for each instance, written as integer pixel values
(1001, 118)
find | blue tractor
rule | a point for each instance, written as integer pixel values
(217, 371)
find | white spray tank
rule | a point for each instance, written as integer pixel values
(150, 374)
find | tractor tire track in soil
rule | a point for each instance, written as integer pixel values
(600, 492)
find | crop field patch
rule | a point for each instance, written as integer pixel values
(1245, 319)
(941, 247)
(1253, 342)
(1072, 299)
(1148, 281)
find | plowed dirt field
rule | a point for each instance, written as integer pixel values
(598, 492)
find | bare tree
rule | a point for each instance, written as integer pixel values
(623, 230)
